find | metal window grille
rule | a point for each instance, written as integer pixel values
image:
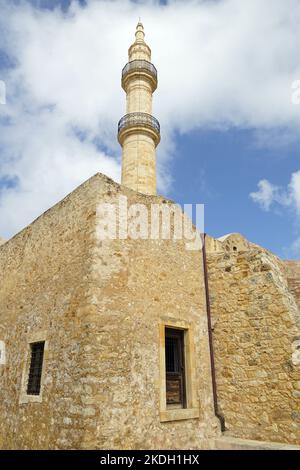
(172, 355)
(35, 370)
(175, 368)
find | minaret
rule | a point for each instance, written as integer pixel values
(138, 130)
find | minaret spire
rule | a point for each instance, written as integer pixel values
(139, 34)
(138, 130)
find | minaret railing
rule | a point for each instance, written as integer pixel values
(139, 119)
(139, 66)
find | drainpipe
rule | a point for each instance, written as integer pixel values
(219, 415)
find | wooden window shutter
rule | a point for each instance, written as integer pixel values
(175, 369)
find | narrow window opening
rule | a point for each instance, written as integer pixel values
(175, 368)
(35, 370)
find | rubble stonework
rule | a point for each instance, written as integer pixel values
(256, 340)
(99, 305)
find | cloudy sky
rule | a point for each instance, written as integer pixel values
(230, 128)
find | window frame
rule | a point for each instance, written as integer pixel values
(179, 336)
(35, 371)
(40, 337)
(191, 411)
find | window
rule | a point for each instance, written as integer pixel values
(178, 368)
(175, 368)
(35, 369)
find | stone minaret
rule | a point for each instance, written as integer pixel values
(138, 130)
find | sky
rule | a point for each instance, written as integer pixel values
(228, 102)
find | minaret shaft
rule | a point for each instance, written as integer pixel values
(139, 131)
(139, 97)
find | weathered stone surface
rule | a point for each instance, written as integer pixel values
(256, 333)
(231, 443)
(99, 304)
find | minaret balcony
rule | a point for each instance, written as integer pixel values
(139, 68)
(136, 122)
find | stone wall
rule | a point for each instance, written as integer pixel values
(136, 284)
(256, 340)
(43, 284)
(100, 305)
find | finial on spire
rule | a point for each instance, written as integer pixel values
(139, 34)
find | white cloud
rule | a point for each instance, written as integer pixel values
(268, 194)
(293, 195)
(265, 196)
(221, 64)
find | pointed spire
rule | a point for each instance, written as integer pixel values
(139, 34)
(139, 50)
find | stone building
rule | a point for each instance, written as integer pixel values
(254, 303)
(111, 338)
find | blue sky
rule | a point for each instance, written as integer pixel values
(228, 123)
(222, 169)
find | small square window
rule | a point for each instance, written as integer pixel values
(35, 369)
